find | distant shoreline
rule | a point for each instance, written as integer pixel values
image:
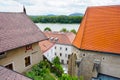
(58, 26)
(57, 19)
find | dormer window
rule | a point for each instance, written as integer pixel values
(51, 38)
(28, 47)
(56, 39)
(3, 54)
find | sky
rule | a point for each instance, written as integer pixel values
(57, 7)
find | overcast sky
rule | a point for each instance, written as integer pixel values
(58, 7)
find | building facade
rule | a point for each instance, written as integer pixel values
(96, 50)
(47, 49)
(63, 52)
(19, 49)
(63, 44)
(90, 64)
(22, 59)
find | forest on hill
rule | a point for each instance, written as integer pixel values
(56, 19)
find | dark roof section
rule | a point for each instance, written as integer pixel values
(17, 30)
(6, 74)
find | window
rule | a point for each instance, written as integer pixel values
(27, 61)
(55, 54)
(28, 47)
(68, 56)
(55, 47)
(62, 61)
(83, 54)
(2, 55)
(66, 49)
(65, 55)
(60, 54)
(9, 66)
(67, 61)
(60, 48)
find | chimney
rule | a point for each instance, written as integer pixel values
(24, 10)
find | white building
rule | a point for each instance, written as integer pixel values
(47, 49)
(63, 44)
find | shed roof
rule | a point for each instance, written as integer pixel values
(17, 30)
(100, 30)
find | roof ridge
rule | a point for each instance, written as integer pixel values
(103, 6)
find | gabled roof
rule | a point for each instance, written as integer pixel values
(17, 30)
(7, 74)
(63, 37)
(100, 30)
(45, 45)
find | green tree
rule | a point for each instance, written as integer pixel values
(56, 19)
(68, 77)
(56, 60)
(64, 30)
(47, 29)
(57, 68)
(73, 30)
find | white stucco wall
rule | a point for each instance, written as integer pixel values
(63, 51)
(49, 54)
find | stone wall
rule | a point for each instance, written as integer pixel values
(109, 64)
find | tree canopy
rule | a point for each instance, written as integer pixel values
(73, 30)
(47, 29)
(64, 30)
(56, 19)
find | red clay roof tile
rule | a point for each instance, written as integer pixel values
(63, 38)
(45, 45)
(100, 30)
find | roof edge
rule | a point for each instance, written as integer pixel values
(16, 72)
(23, 45)
(80, 32)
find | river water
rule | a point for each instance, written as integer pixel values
(57, 26)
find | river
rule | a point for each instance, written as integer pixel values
(57, 26)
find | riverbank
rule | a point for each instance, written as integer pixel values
(57, 26)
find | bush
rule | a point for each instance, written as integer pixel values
(74, 31)
(56, 61)
(64, 30)
(47, 29)
(39, 71)
(68, 77)
(30, 74)
(56, 67)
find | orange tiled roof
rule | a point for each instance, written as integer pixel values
(100, 30)
(63, 38)
(45, 45)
